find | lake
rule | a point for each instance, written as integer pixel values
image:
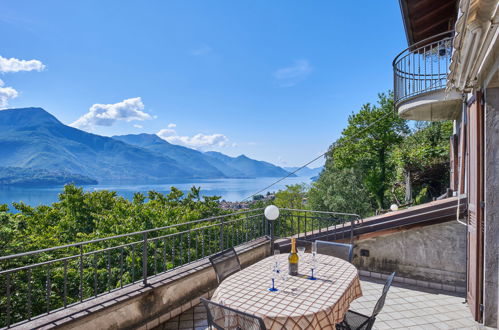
(228, 189)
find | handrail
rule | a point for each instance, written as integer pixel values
(422, 67)
(322, 212)
(78, 244)
(450, 32)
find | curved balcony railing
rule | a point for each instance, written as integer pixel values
(423, 67)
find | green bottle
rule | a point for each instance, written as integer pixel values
(293, 259)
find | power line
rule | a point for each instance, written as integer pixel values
(287, 176)
(321, 155)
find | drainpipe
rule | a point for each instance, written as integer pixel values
(461, 172)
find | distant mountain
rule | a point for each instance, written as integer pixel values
(210, 164)
(248, 166)
(34, 140)
(194, 159)
(16, 176)
(306, 171)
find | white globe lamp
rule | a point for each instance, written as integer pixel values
(394, 207)
(271, 212)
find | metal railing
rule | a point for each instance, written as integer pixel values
(316, 224)
(423, 67)
(40, 282)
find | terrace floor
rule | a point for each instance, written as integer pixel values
(406, 307)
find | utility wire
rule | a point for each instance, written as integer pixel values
(321, 155)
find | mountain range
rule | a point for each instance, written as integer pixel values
(306, 171)
(34, 143)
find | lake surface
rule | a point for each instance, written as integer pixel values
(228, 189)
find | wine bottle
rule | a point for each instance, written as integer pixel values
(293, 259)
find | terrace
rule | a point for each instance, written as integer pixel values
(407, 307)
(155, 278)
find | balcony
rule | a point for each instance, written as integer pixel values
(420, 81)
(155, 278)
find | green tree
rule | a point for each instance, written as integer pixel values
(367, 142)
(422, 161)
(340, 190)
(292, 197)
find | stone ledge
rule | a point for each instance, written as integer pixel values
(138, 306)
(413, 282)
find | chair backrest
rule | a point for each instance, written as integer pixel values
(339, 250)
(381, 301)
(222, 317)
(225, 263)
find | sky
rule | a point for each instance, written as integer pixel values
(274, 80)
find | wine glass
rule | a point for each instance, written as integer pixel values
(301, 252)
(314, 247)
(284, 277)
(314, 264)
(273, 272)
(277, 262)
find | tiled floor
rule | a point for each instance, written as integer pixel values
(406, 307)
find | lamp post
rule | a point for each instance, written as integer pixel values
(271, 213)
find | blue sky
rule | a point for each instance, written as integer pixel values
(275, 80)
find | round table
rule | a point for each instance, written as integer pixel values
(303, 303)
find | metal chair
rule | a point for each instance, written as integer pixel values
(357, 321)
(225, 318)
(339, 250)
(225, 263)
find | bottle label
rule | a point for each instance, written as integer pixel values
(293, 269)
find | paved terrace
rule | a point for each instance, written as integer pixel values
(406, 307)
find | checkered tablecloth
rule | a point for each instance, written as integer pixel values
(302, 303)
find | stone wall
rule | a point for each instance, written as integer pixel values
(434, 253)
(144, 307)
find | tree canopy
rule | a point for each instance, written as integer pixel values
(377, 155)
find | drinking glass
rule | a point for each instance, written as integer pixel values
(277, 262)
(273, 272)
(314, 247)
(314, 264)
(284, 277)
(301, 252)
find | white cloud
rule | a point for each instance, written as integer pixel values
(201, 50)
(16, 65)
(138, 126)
(172, 125)
(6, 93)
(107, 114)
(292, 75)
(198, 141)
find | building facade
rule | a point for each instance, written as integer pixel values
(450, 71)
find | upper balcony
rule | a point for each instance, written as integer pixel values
(420, 80)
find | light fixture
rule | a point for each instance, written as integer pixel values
(271, 212)
(394, 207)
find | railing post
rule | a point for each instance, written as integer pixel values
(144, 260)
(272, 238)
(222, 235)
(352, 224)
(81, 273)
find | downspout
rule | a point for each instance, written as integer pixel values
(461, 173)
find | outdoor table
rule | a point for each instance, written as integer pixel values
(304, 303)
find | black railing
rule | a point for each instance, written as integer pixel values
(423, 67)
(39, 282)
(316, 224)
